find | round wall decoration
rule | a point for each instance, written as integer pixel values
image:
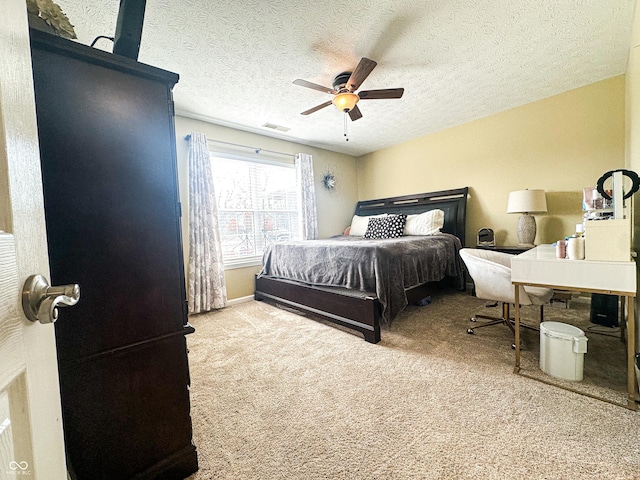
(329, 180)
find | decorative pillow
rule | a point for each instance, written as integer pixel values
(359, 224)
(386, 227)
(427, 223)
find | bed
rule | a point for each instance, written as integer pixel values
(375, 279)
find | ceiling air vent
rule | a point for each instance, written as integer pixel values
(276, 127)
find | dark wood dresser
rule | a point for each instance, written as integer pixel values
(107, 140)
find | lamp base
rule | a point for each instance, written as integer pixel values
(526, 230)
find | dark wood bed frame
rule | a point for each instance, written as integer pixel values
(358, 312)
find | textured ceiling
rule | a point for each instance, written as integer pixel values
(458, 60)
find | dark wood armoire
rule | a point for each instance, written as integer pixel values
(109, 170)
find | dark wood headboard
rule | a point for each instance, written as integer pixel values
(452, 202)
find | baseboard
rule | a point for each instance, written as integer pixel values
(235, 301)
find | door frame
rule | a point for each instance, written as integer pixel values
(22, 215)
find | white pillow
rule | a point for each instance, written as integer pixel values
(359, 224)
(427, 223)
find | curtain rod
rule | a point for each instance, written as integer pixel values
(255, 149)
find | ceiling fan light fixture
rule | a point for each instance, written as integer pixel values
(345, 101)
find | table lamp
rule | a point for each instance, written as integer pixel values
(526, 202)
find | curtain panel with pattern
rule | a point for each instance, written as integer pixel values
(207, 288)
(306, 196)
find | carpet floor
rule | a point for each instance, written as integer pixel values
(276, 395)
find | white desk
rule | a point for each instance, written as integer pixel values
(540, 267)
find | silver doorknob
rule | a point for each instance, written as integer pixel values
(40, 301)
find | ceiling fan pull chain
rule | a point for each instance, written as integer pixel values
(346, 126)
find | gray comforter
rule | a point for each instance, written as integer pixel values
(384, 267)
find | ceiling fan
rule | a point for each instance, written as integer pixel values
(344, 89)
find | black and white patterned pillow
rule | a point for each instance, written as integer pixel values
(386, 227)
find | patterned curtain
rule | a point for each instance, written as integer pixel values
(306, 197)
(207, 288)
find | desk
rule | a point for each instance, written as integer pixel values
(540, 267)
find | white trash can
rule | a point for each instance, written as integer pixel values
(562, 349)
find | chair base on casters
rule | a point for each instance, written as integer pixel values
(505, 319)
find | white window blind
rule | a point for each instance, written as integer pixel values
(257, 205)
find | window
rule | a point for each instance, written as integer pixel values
(257, 205)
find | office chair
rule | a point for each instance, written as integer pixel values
(491, 274)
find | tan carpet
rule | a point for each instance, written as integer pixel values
(279, 396)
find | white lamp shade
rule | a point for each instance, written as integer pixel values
(527, 201)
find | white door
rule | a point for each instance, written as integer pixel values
(31, 439)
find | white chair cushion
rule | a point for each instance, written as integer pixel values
(491, 274)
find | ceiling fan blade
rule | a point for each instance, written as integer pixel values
(355, 113)
(383, 93)
(315, 109)
(315, 86)
(362, 71)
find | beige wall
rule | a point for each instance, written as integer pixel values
(560, 144)
(335, 208)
